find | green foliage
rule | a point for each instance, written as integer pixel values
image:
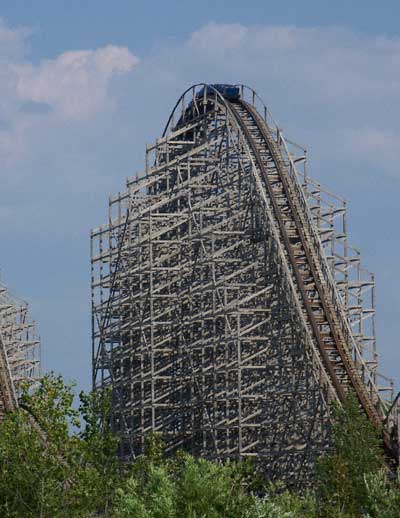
(284, 505)
(357, 453)
(196, 488)
(66, 465)
(182, 486)
(383, 499)
(44, 469)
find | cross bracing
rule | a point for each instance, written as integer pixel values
(229, 311)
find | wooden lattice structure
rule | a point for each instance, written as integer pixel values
(19, 350)
(229, 310)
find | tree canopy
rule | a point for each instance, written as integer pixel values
(66, 465)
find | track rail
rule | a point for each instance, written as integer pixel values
(315, 294)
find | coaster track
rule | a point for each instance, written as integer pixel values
(320, 302)
(313, 290)
(217, 316)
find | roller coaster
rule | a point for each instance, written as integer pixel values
(229, 310)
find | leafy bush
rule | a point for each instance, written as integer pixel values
(357, 453)
(66, 465)
(47, 471)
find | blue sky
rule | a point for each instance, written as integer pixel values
(84, 85)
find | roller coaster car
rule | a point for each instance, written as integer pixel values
(230, 92)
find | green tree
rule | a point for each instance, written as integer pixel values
(182, 487)
(357, 453)
(63, 463)
(284, 504)
(47, 471)
(383, 497)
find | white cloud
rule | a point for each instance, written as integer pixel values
(75, 84)
(215, 38)
(36, 99)
(329, 62)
